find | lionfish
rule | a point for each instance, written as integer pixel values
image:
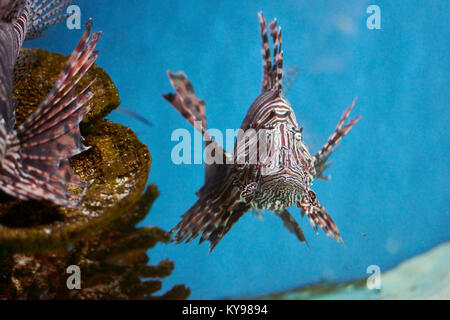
(278, 180)
(34, 155)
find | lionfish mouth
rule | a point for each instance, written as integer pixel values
(280, 191)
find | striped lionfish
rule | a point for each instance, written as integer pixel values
(34, 155)
(280, 179)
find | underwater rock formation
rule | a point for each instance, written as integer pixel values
(116, 166)
(36, 78)
(425, 276)
(39, 240)
(115, 153)
(113, 261)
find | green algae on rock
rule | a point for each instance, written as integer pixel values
(36, 74)
(116, 166)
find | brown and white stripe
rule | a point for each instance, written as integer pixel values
(279, 179)
(34, 157)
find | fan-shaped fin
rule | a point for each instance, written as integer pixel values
(36, 160)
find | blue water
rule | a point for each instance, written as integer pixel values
(390, 176)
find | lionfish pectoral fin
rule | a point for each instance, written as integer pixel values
(341, 130)
(51, 135)
(318, 216)
(237, 212)
(212, 216)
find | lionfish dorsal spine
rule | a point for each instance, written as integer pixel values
(272, 70)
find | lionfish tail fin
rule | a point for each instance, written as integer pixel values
(51, 135)
(273, 71)
(44, 14)
(341, 130)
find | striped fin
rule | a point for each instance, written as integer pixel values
(79, 62)
(205, 211)
(278, 56)
(290, 224)
(9, 9)
(323, 154)
(212, 216)
(36, 162)
(226, 222)
(16, 19)
(265, 51)
(27, 19)
(273, 71)
(45, 13)
(318, 216)
(186, 102)
(7, 105)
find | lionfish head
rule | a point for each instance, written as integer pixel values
(285, 166)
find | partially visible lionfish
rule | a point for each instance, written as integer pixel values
(34, 155)
(278, 180)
